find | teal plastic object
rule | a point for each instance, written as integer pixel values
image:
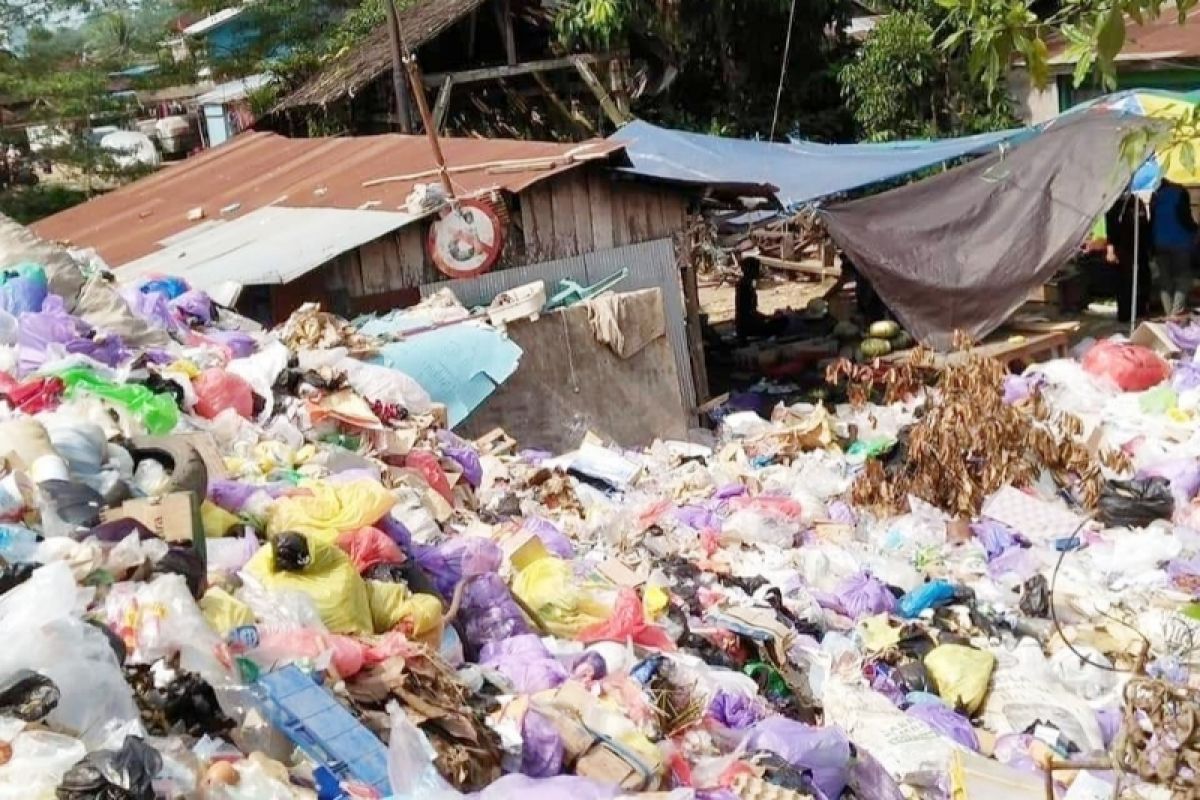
(157, 411)
(569, 292)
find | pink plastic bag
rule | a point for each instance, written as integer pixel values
(427, 464)
(217, 390)
(1130, 367)
(628, 621)
(368, 547)
(304, 643)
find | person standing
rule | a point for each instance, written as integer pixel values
(1173, 232)
(1127, 223)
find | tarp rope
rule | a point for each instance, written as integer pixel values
(787, 49)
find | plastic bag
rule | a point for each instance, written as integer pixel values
(947, 722)
(39, 760)
(38, 331)
(329, 579)
(628, 623)
(168, 286)
(17, 543)
(305, 644)
(1135, 503)
(564, 604)
(223, 611)
(864, 595)
(550, 536)
(1183, 474)
(823, 751)
(411, 770)
(542, 747)
(996, 537)
(523, 787)
(158, 412)
(28, 696)
(331, 509)
(524, 661)
(229, 555)
(427, 464)
(962, 674)
(23, 289)
(392, 604)
(735, 711)
(1130, 367)
(218, 389)
(489, 613)
(369, 546)
(41, 632)
(926, 596)
(463, 454)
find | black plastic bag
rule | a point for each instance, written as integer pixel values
(186, 562)
(28, 696)
(291, 552)
(1136, 503)
(73, 503)
(13, 575)
(915, 677)
(187, 702)
(125, 774)
(1035, 597)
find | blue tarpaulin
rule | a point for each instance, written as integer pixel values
(795, 173)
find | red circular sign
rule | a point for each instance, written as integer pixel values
(466, 240)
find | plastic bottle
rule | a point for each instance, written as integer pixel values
(17, 543)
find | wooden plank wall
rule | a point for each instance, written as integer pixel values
(581, 211)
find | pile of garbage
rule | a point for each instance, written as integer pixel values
(241, 563)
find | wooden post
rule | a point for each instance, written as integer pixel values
(620, 86)
(691, 298)
(593, 83)
(442, 105)
(504, 20)
(414, 76)
(403, 112)
(557, 103)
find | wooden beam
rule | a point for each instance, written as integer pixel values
(491, 73)
(606, 102)
(403, 110)
(558, 105)
(796, 266)
(471, 31)
(504, 19)
(691, 296)
(442, 105)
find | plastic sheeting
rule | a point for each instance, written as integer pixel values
(962, 250)
(794, 173)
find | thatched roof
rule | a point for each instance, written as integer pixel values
(349, 72)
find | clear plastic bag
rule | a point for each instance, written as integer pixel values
(410, 763)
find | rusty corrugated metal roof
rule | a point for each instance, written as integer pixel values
(263, 169)
(350, 71)
(1160, 39)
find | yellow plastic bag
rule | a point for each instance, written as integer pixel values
(393, 604)
(962, 674)
(563, 602)
(223, 611)
(330, 579)
(331, 509)
(216, 520)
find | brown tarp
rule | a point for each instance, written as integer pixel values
(962, 250)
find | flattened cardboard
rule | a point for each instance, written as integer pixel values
(172, 517)
(210, 454)
(1154, 335)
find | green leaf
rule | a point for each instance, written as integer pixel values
(1111, 36)
(1187, 156)
(1082, 67)
(1038, 60)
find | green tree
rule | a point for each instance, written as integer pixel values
(902, 85)
(729, 55)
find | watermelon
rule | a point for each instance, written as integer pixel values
(884, 329)
(875, 347)
(901, 341)
(846, 330)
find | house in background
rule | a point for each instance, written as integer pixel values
(225, 109)
(1161, 54)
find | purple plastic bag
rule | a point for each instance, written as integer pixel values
(233, 495)
(1185, 337)
(841, 513)
(716, 794)
(589, 666)
(152, 307)
(489, 613)
(396, 531)
(525, 661)
(1109, 720)
(550, 537)
(52, 325)
(109, 350)
(240, 344)
(947, 722)
(869, 778)
(887, 682)
(698, 518)
(193, 305)
(1186, 376)
(1019, 388)
(864, 595)
(736, 711)
(996, 537)
(823, 751)
(24, 291)
(729, 491)
(1015, 560)
(522, 787)
(1013, 749)
(1183, 474)
(461, 453)
(542, 751)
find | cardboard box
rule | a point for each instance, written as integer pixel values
(173, 517)
(210, 454)
(1154, 335)
(604, 765)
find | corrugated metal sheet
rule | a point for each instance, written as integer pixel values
(344, 76)
(269, 246)
(652, 265)
(262, 169)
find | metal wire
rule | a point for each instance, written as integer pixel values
(787, 49)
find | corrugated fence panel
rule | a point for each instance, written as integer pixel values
(651, 265)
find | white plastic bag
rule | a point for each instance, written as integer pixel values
(410, 762)
(38, 762)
